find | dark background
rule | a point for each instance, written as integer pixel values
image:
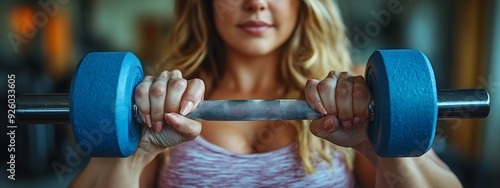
(461, 38)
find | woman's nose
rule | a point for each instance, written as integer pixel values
(255, 5)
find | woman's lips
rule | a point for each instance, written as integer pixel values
(254, 27)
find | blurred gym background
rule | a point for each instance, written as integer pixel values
(43, 40)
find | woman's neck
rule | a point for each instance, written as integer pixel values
(251, 74)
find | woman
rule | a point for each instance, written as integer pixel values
(258, 49)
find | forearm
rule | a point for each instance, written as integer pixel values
(112, 172)
(424, 171)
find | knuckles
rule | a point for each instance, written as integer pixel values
(157, 91)
(342, 89)
(177, 83)
(359, 94)
(176, 71)
(197, 82)
(311, 82)
(331, 74)
(360, 89)
(149, 77)
(164, 74)
(326, 86)
(141, 91)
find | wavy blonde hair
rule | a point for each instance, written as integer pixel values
(317, 45)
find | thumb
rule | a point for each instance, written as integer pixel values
(329, 128)
(324, 126)
(177, 130)
(189, 129)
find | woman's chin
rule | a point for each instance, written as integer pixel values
(255, 51)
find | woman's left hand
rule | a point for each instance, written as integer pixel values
(344, 99)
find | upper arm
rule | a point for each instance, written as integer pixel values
(364, 172)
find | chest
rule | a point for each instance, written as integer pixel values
(247, 136)
(201, 164)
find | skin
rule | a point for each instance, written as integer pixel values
(251, 74)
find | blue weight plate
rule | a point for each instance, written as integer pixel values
(101, 99)
(404, 91)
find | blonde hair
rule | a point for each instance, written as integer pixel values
(317, 45)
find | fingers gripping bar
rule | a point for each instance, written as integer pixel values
(54, 108)
(404, 110)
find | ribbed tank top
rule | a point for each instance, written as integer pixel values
(200, 163)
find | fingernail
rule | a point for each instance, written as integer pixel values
(143, 119)
(347, 125)
(320, 108)
(328, 125)
(157, 127)
(171, 119)
(357, 120)
(148, 121)
(186, 107)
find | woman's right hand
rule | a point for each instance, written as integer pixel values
(163, 102)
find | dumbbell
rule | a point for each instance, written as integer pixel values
(403, 114)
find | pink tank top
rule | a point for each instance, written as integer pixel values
(200, 163)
